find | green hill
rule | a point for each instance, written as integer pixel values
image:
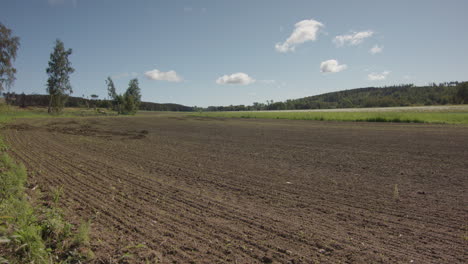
(398, 95)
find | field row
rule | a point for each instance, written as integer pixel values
(178, 189)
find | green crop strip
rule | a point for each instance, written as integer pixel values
(396, 117)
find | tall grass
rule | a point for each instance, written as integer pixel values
(397, 117)
(37, 234)
(19, 225)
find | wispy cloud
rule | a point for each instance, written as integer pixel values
(352, 39)
(378, 76)
(332, 66)
(376, 49)
(157, 75)
(305, 30)
(236, 78)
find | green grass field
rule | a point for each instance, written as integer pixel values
(7, 113)
(430, 114)
(460, 116)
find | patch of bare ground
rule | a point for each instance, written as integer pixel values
(188, 190)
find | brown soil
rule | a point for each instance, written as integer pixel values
(203, 190)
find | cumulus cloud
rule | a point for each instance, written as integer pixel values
(235, 78)
(170, 76)
(376, 49)
(353, 39)
(305, 30)
(332, 66)
(378, 76)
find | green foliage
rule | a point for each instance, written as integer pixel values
(82, 234)
(12, 178)
(57, 192)
(19, 224)
(462, 93)
(8, 47)
(132, 97)
(129, 102)
(38, 235)
(116, 99)
(398, 95)
(111, 88)
(40, 100)
(59, 70)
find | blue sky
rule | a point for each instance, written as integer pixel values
(238, 52)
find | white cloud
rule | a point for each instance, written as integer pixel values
(305, 30)
(235, 78)
(170, 76)
(376, 49)
(353, 39)
(378, 76)
(332, 66)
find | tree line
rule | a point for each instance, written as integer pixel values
(388, 96)
(42, 100)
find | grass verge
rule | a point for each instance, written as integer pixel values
(396, 117)
(39, 233)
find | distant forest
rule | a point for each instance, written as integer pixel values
(42, 100)
(397, 95)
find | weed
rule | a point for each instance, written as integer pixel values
(82, 235)
(22, 235)
(57, 192)
(38, 235)
(12, 178)
(396, 193)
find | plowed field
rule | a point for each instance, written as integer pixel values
(177, 189)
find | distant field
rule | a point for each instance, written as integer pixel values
(421, 114)
(10, 112)
(454, 114)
